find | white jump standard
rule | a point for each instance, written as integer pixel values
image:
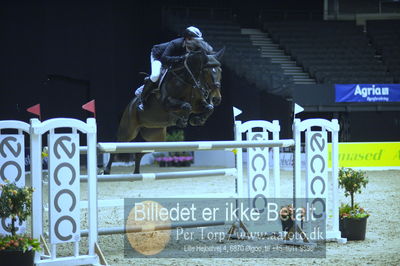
(64, 216)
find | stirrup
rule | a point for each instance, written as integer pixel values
(140, 106)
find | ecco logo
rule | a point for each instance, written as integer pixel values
(317, 165)
(11, 165)
(64, 186)
(259, 173)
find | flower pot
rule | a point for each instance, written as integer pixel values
(353, 228)
(186, 164)
(16, 257)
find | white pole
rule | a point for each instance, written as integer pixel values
(277, 170)
(36, 181)
(335, 165)
(128, 147)
(92, 184)
(239, 161)
(297, 158)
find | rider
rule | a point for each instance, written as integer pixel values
(170, 53)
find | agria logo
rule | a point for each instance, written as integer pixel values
(371, 91)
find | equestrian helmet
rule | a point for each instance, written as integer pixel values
(192, 32)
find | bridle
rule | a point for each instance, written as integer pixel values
(197, 84)
(216, 84)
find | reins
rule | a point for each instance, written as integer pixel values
(197, 82)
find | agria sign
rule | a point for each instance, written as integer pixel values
(367, 92)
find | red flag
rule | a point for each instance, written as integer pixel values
(35, 110)
(90, 106)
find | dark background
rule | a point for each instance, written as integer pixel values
(62, 54)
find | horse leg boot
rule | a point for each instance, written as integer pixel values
(148, 87)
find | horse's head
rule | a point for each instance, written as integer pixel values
(212, 77)
(196, 60)
(203, 75)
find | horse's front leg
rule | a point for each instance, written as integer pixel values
(176, 104)
(201, 118)
(179, 119)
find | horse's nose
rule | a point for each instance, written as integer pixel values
(216, 100)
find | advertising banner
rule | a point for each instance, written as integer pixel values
(383, 155)
(367, 92)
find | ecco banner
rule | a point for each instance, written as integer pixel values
(367, 92)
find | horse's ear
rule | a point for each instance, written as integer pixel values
(219, 54)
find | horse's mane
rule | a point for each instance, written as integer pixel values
(200, 45)
(205, 47)
(212, 61)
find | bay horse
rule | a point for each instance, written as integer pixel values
(187, 94)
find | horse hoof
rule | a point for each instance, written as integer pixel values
(181, 123)
(209, 107)
(186, 107)
(195, 121)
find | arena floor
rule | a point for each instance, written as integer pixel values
(381, 198)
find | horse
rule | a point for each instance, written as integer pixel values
(187, 95)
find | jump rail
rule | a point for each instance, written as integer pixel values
(128, 147)
(136, 229)
(162, 176)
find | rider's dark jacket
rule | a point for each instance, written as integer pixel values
(170, 52)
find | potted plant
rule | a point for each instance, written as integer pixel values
(159, 158)
(176, 159)
(15, 203)
(353, 218)
(175, 135)
(181, 159)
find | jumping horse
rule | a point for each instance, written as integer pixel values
(187, 95)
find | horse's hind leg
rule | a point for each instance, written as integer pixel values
(138, 158)
(107, 169)
(127, 131)
(149, 134)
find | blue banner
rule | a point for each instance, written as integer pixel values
(367, 92)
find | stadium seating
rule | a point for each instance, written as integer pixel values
(332, 51)
(240, 55)
(385, 36)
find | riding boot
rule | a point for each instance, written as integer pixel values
(148, 87)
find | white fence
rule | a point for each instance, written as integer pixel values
(257, 136)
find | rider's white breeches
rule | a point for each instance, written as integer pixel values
(155, 69)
